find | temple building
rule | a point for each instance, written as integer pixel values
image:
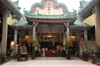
(48, 22)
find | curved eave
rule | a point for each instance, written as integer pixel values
(91, 4)
(13, 27)
(10, 6)
(79, 28)
(52, 17)
(57, 5)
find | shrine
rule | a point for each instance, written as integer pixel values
(51, 24)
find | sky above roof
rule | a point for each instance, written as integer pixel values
(69, 3)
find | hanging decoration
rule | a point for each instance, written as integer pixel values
(50, 26)
(82, 42)
(19, 42)
(1, 7)
(29, 44)
(39, 41)
(82, 39)
(71, 41)
(71, 44)
(60, 41)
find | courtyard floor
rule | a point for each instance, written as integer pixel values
(50, 61)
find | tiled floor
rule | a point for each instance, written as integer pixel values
(50, 61)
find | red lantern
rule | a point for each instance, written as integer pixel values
(19, 44)
(29, 39)
(19, 39)
(39, 41)
(60, 32)
(29, 44)
(71, 44)
(82, 39)
(81, 44)
(71, 39)
(60, 41)
(41, 31)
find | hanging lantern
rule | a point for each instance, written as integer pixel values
(39, 41)
(71, 44)
(41, 31)
(60, 32)
(82, 39)
(71, 39)
(50, 26)
(81, 44)
(19, 44)
(29, 39)
(19, 39)
(60, 41)
(1, 7)
(29, 44)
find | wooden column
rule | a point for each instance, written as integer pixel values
(67, 31)
(97, 25)
(15, 42)
(64, 39)
(85, 37)
(34, 33)
(33, 47)
(4, 33)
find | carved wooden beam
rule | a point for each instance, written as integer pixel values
(50, 20)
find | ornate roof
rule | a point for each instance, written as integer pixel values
(35, 13)
(83, 3)
(11, 7)
(16, 4)
(80, 25)
(22, 24)
(41, 16)
(88, 7)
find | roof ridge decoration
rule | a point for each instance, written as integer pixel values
(16, 3)
(28, 13)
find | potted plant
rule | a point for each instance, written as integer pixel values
(67, 49)
(34, 43)
(86, 52)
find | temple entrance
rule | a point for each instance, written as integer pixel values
(50, 44)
